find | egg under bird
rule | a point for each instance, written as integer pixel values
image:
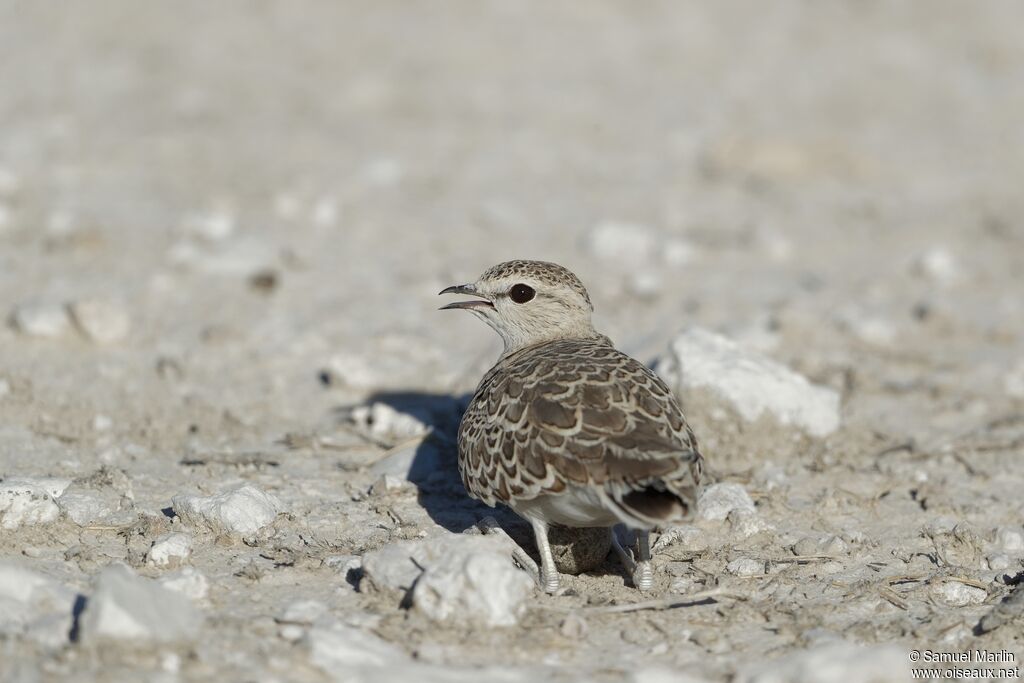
(565, 429)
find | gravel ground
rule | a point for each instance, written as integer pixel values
(228, 399)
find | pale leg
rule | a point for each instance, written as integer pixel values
(643, 573)
(489, 525)
(548, 573)
(624, 557)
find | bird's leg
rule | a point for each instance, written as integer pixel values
(643, 573)
(548, 573)
(489, 525)
(624, 556)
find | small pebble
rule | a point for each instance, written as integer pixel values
(681, 585)
(211, 226)
(718, 500)
(103, 322)
(387, 484)
(41, 320)
(170, 550)
(1010, 540)
(998, 562)
(747, 523)
(745, 566)
(938, 265)
(958, 594)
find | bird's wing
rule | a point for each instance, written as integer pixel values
(572, 414)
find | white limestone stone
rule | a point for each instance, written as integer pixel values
(958, 594)
(750, 384)
(46, 320)
(242, 510)
(718, 500)
(125, 606)
(104, 322)
(170, 550)
(26, 501)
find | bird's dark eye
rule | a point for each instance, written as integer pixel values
(521, 293)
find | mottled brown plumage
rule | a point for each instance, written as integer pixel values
(565, 429)
(577, 412)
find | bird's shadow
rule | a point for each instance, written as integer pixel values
(434, 465)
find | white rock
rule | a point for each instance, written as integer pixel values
(34, 606)
(5, 388)
(41, 320)
(476, 586)
(103, 322)
(750, 384)
(216, 225)
(937, 264)
(806, 547)
(27, 501)
(688, 538)
(998, 562)
(85, 508)
(745, 566)
(170, 550)
(456, 577)
(387, 484)
(832, 663)
(870, 329)
(625, 244)
(344, 564)
(747, 523)
(243, 510)
(187, 581)
(718, 500)
(381, 421)
(104, 497)
(1010, 540)
(125, 606)
(958, 594)
(324, 213)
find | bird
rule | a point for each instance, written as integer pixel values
(567, 430)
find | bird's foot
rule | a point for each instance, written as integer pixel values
(549, 582)
(643, 575)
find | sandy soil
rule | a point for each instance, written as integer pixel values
(273, 195)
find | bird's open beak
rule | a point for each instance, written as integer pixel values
(468, 290)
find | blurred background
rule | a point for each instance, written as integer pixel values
(224, 224)
(251, 201)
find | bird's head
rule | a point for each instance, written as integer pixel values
(528, 302)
